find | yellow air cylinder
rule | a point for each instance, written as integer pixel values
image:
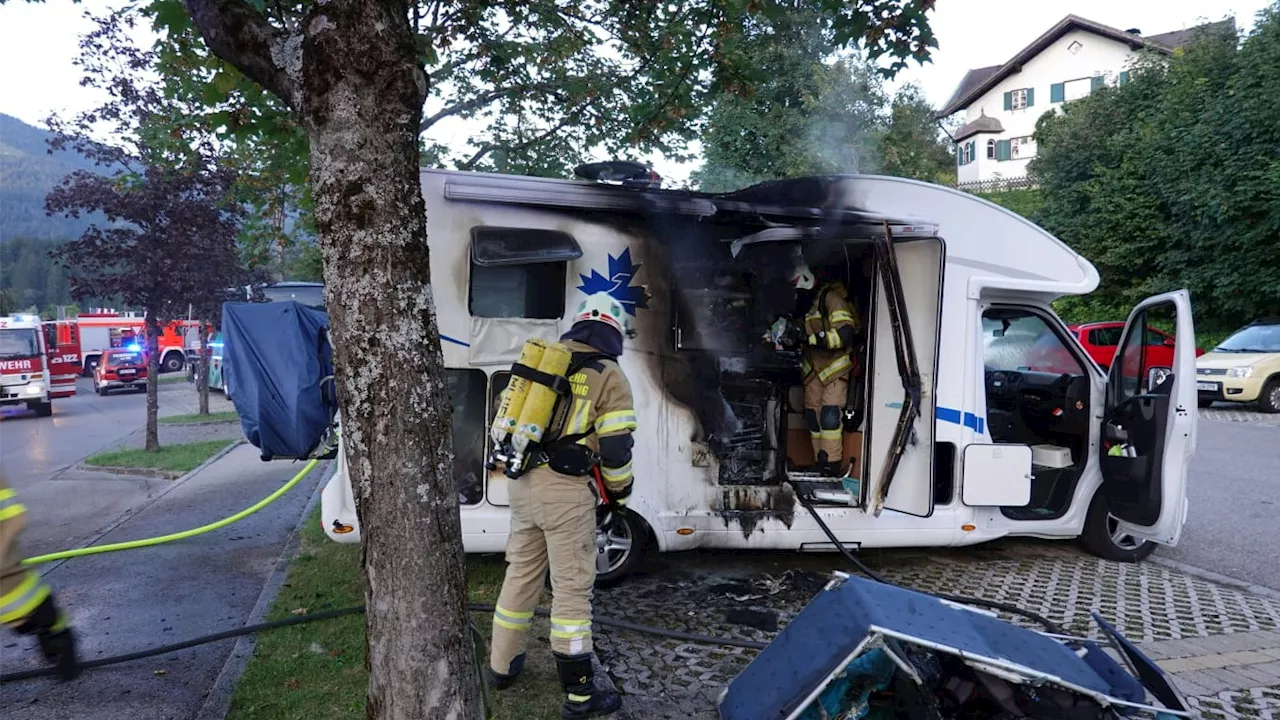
(540, 400)
(513, 397)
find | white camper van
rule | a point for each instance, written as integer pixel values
(983, 416)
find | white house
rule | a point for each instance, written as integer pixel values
(1003, 102)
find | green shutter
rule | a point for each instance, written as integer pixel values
(1124, 77)
(1096, 82)
(1057, 92)
(959, 154)
(1031, 97)
(1002, 150)
(1008, 100)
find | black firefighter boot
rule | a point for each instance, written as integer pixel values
(585, 700)
(57, 643)
(498, 681)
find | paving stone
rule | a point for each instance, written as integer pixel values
(1171, 615)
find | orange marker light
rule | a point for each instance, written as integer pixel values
(684, 531)
(968, 528)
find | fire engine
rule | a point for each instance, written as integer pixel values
(34, 367)
(101, 331)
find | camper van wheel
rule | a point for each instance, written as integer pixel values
(624, 544)
(1104, 538)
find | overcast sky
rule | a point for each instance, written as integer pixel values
(38, 42)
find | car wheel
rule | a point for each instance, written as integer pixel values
(620, 549)
(1203, 403)
(172, 362)
(1103, 537)
(101, 390)
(1269, 400)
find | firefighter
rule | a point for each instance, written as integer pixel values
(553, 513)
(26, 602)
(830, 333)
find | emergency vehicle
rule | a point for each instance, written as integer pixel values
(101, 331)
(961, 440)
(34, 367)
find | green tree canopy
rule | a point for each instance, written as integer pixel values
(1173, 180)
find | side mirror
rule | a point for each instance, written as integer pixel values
(1169, 342)
(1156, 376)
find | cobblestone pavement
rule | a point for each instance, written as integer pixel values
(1220, 644)
(1239, 413)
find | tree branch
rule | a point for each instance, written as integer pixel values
(240, 35)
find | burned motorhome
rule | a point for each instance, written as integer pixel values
(718, 348)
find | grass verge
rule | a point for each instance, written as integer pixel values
(167, 378)
(172, 458)
(316, 671)
(197, 418)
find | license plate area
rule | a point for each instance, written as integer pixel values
(1208, 386)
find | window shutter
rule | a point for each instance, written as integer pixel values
(973, 150)
(959, 155)
(1002, 150)
(1096, 82)
(1124, 77)
(1031, 97)
(1057, 92)
(1008, 100)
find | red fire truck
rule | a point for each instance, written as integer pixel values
(102, 330)
(34, 366)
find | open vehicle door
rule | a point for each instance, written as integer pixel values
(1149, 424)
(899, 465)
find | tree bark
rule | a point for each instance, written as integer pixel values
(153, 380)
(356, 83)
(206, 355)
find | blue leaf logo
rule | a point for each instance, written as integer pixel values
(618, 283)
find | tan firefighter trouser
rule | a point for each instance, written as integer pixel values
(827, 403)
(553, 523)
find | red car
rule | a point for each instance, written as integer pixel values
(120, 368)
(1100, 340)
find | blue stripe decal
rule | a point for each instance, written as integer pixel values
(455, 341)
(968, 419)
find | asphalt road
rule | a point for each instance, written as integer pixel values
(126, 601)
(1234, 494)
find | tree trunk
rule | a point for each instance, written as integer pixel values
(362, 93)
(153, 380)
(354, 79)
(206, 356)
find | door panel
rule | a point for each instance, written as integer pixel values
(1149, 423)
(911, 484)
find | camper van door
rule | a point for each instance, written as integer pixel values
(910, 490)
(1149, 424)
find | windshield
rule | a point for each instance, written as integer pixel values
(119, 359)
(18, 343)
(1255, 338)
(310, 295)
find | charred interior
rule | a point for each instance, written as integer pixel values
(737, 323)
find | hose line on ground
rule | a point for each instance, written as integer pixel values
(962, 599)
(355, 609)
(146, 542)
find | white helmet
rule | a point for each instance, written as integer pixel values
(601, 307)
(802, 277)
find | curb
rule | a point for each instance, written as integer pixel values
(130, 513)
(218, 700)
(1237, 583)
(200, 423)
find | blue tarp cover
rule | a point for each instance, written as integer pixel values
(275, 356)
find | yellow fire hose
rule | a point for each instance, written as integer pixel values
(146, 542)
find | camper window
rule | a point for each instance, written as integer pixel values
(467, 396)
(512, 269)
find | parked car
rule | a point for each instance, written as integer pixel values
(1100, 340)
(1243, 368)
(120, 368)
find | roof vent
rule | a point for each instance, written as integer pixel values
(620, 172)
(1134, 31)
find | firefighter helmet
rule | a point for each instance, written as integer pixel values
(601, 307)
